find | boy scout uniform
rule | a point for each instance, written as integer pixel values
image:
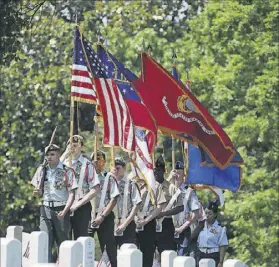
(130, 194)
(146, 237)
(57, 184)
(87, 179)
(190, 203)
(165, 236)
(105, 231)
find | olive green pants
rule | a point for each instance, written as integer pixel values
(57, 230)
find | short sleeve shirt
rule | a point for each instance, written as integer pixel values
(133, 199)
(169, 190)
(211, 236)
(83, 167)
(159, 198)
(57, 183)
(112, 190)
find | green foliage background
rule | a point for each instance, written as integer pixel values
(231, 50)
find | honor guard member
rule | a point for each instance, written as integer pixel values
(102, 216)
(127, 205)
(212, 240)
(174, 205)
(58, 190)
(187, 219)
(146, 221)
(88, 186)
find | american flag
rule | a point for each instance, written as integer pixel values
(82, 85)
(118, 124)
(104, 261)
(145, 127)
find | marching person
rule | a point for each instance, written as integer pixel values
(102, 216)
(188, 217)
(88, 186)
(58, 190)
(146, 220)
(165, 227)
(127, 205)
(212, 240)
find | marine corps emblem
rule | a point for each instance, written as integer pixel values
(182, 104)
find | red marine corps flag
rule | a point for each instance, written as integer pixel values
(166, 98)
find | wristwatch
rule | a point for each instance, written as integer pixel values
(102, 215)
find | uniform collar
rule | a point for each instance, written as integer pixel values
(59, 166)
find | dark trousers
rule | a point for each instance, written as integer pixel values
(129, 235)
(165, 239)
(146, 243)
(57, 230)
(106, 238)
(80, 221)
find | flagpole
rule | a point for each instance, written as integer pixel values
(112, 157)
(174, 56)
(96, 137)
(173, 152)
(72, 106)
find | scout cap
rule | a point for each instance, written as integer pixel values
(52, 147)
(120, 161)
(76, 138)
(179, 165)
(100, 155)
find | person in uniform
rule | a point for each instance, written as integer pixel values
(212, 240)
(127, 205)
(188, 218)
(58, 191)
(146, 221)
(88, 186)
(102, 216)
(173, 205)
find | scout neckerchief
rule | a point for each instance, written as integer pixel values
(159, 222)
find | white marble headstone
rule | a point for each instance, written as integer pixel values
(207, 263)
(10, 252)
(70, 254)
(167, 258)
(181, 261)
(88, 246)
(129, 258)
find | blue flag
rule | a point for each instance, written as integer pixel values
(201, 169)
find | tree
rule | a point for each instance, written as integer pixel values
(231, 50)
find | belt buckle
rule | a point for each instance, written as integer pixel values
(51, 204)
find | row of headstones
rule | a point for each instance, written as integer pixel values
(81, 253)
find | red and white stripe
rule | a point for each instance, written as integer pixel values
(82, 85)
(118, 124)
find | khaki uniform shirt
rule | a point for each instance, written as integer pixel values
(58, 182)
(112, 190)
(90, 178)
(134, 197)
(169, 190)
(159, 198)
